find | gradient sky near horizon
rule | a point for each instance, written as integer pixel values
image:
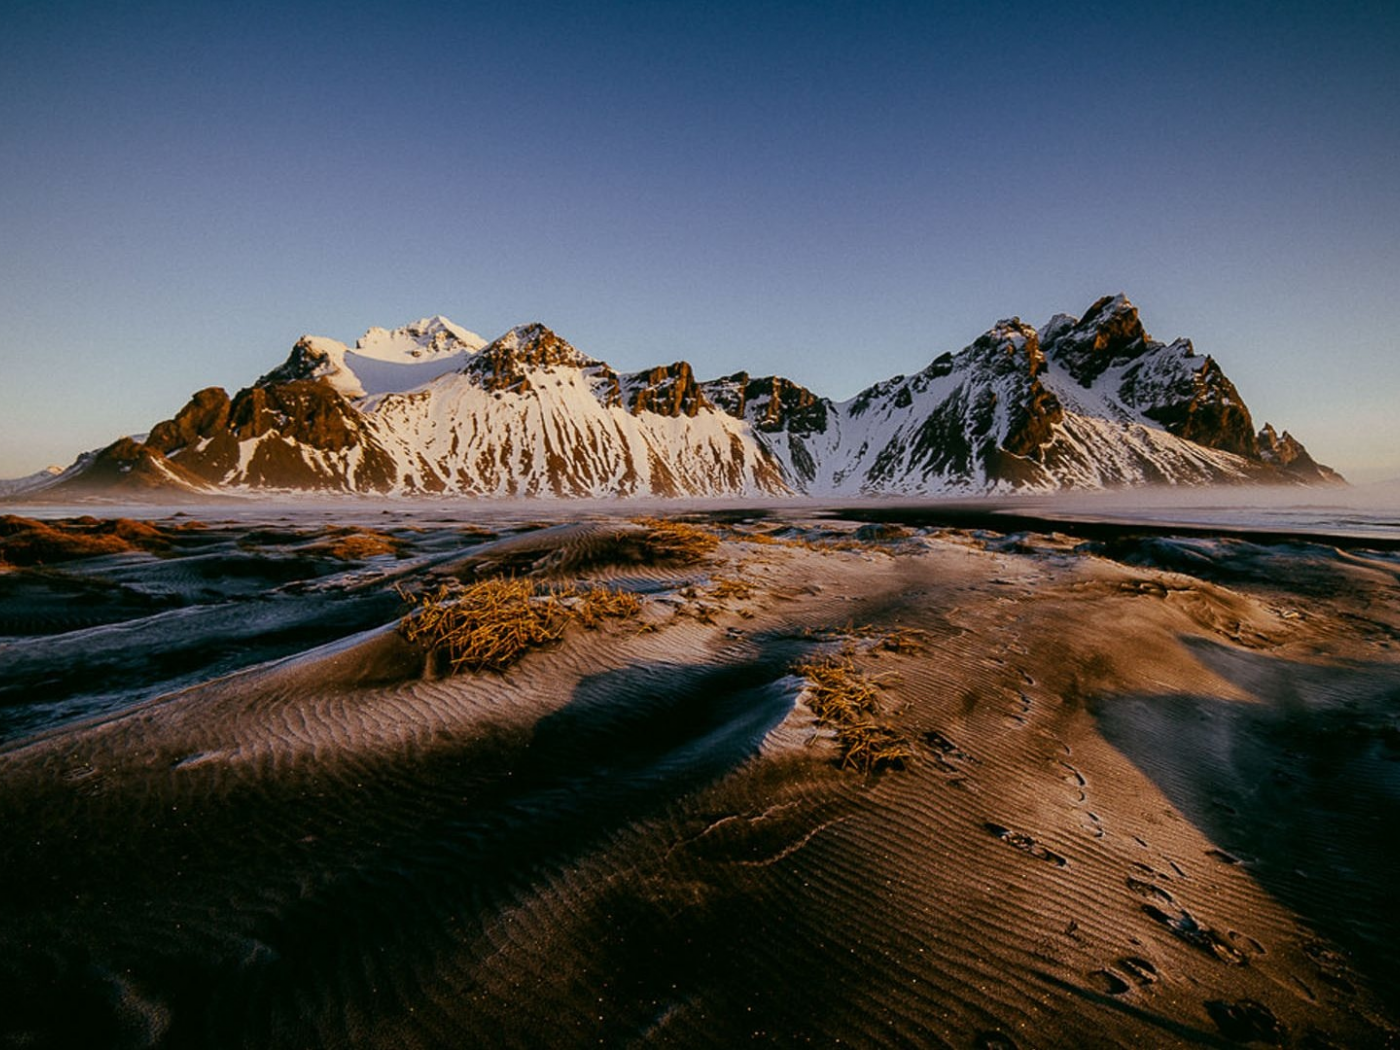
(836, 192)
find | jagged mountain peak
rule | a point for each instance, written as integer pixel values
(425, 338)
(1010, 345)
(505, 363)
(769, 403)
(537, 345)
(316, 357)
(1109, 332)
(667, 390)
(1084, 402)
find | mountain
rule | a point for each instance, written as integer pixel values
(1088, 402)
(38, 480)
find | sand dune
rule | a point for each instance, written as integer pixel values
(1151, 802)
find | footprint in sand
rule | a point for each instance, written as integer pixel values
(1023, 842)
(1150, 891)
(946, 754)
(1244, 943)
(1332, 967)
(1108, 982)
(1019, 717)
(1076, 779)
(1201, 937)
(1139, 970)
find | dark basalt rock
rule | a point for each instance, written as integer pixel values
(203, 438)
(786, 405)
(502, 365)
(205, 415)
(1208, 410)
(301, 363)
(1109, 332)
(306, 410)
(1288, 454)
(1186, 395)
(667, 390)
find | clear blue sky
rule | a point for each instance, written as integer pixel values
(835, 192)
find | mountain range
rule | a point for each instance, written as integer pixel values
(432, 408)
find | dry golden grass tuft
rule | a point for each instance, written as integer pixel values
(761, 538)
(868, 746)
(357, 544)
(27, 541)
(489, 625)
(675, 541)
(590, 608)
(843, 698)
(909, 641)
(725, 587)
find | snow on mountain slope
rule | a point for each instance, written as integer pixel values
(532, 416)
(426, 339)
(431, 408)
(382, 360)
(30, 482)
(972, 421)
(1105, 364)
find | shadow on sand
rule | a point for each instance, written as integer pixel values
(1302, 788)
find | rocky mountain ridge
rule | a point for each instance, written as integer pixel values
(1088, 402)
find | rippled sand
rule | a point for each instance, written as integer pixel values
(1152, 802)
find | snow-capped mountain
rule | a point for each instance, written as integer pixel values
(30, 482)
(381, 360)
(1091, 402)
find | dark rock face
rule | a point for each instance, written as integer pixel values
(1011, 352)
(306, 411)
(205, 415)
(502, 365)
(1187, 395)
(1288, 454)
(301, 363)
(667, 390)
(203, 438)
(1208, 410)
(1109, 332)
(770, 403)
(995, 421)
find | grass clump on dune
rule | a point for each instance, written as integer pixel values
(723, 588)
(489, 625)
(27, 541)
(674, 541)
(844, 699)
(590, 608)
(358, 544)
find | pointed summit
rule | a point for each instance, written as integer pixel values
(1110, 332)
(502, 365)
(424, 339)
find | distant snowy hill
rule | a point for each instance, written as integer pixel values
(30, 482)
(1081, 403)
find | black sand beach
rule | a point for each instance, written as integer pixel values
(1142, 785)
